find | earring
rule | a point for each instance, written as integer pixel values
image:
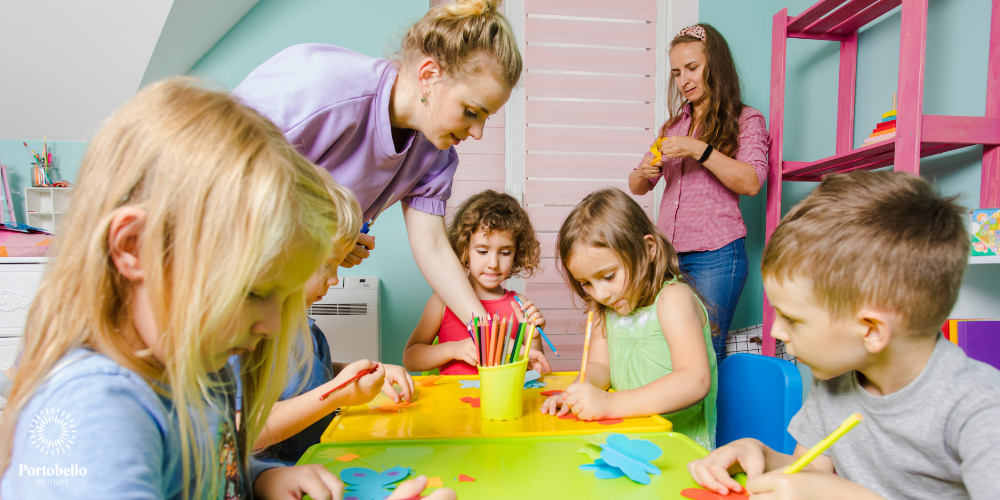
(423, 98)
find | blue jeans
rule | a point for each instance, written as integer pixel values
(719, 276)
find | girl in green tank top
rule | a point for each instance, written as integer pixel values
(652, 342)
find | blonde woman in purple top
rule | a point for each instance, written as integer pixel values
(387, 128)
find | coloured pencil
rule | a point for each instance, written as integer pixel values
(371, 222)
(515, 348)
(498, 346)
(540, 332)
(506, 340)
(473, 335)
(475, 322)
(821, 446)
(360, 374)
(527, 343)
(586, 347)
(521, 330)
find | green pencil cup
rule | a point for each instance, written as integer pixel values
(501, 390)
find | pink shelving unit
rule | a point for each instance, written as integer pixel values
(917, 135)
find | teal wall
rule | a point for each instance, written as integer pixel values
(954, 83)
(66, 156)
(367, 27)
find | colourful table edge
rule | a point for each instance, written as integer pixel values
(328, 435)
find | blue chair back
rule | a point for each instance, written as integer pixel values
(758, 396)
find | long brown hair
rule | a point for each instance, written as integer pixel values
(611, 219)
(720, 123)
(224, 197)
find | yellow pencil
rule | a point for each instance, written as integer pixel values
(586, 347)
(821, 446)
(527, 345)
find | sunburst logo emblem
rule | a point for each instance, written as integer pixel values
(52, 431)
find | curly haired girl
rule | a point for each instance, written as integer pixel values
(494, 240)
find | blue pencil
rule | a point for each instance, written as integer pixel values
(540, 332)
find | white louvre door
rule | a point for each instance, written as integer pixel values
(590, 101)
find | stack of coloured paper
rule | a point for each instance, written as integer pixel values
(885, 130)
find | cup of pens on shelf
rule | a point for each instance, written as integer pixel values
(41, 175)
(502, 366)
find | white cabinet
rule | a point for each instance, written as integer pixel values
(19, 279)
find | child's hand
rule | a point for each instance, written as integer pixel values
(362, 390)
(412, 489)
(713, 472)
(538, 361)
(554, 405)
(805, 485)
(396, 374)
(464, 350)
(587, 401)
(291, 483)
(528, 313)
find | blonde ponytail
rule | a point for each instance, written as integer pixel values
(455, 34)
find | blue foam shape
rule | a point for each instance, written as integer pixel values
(367, 484)
(468, 384)
(602, 470)
(531, 375)
(534, 384)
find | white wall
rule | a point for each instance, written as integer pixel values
(66, 64)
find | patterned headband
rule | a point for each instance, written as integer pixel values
(695, 31)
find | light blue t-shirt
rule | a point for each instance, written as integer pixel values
(96, 429)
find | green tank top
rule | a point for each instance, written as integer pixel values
(639, 354)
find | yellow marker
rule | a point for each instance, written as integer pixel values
(655, 149)
(821, 446)
(531, 335)
(586, 347)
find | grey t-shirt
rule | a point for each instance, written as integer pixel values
(938, 437)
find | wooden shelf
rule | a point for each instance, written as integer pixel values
(838, 23)
(941, 134)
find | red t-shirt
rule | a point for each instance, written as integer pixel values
(454, 329)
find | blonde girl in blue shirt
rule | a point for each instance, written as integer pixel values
(193, 229)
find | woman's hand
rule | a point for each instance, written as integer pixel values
(650, 169)
(587, 402)
(395, 374)
(360, 391)
(291, 483)
(680, 146)
(362, 250)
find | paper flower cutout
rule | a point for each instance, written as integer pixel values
(621, 456)
(366, 484)
(468, 384)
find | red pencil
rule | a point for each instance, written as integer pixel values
(360, 374)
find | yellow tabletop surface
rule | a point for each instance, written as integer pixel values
(440, 413)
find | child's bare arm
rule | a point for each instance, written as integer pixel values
(420, 353)
(681, 320)
(292, 416)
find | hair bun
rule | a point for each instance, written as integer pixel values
(474, 7)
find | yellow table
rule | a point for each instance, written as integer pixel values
(440, 414)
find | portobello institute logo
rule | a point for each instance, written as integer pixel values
(52, 431)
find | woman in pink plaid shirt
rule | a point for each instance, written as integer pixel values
(713, 149)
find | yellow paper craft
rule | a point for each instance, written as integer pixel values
(655, 149)
(434, 482)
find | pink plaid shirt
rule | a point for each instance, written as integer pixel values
(698, 211)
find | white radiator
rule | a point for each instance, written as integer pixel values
(348, 315)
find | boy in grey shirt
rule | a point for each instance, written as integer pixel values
(861, 274)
